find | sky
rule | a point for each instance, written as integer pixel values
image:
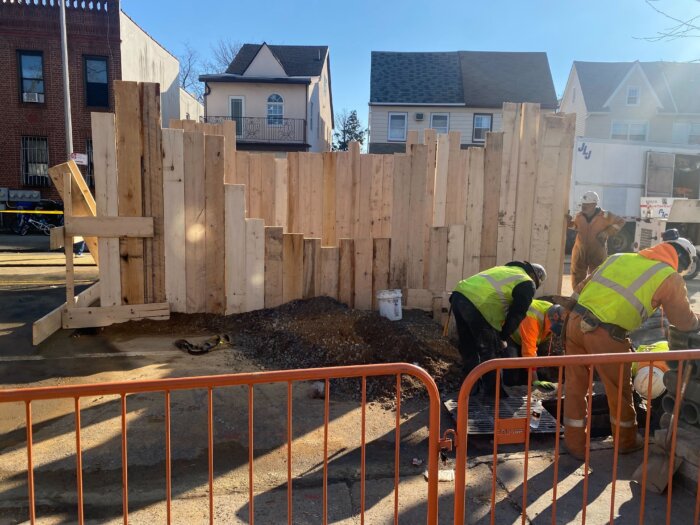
(594, 30)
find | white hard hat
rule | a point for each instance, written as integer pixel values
(590, 197)
(641, 382)
(685, 244)
(540, 272)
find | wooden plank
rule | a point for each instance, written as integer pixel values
(43, 328)
(364, 250)
(130, 186)
(56, 236)
(174, 219)
(267, 188)
(228, 128)
(293, 266)
(527, 181)
(376, 181)
(281, 193)
(456, 200)
(438, 258)
(416, 218)
(475, 212)
(189, 125)
(304, 210)
(387, 194)
(346, 272)
(330, 261)
(355, 187)
(441, 167)
(399, 221)
(293, 189)
(255, 264)
(109, 315)
(175, 123)
(512, 120)
(68, 238)
(411, 139)
(255, 186)
(113, 227)
(430, 139)
(104, 159)
(328, 237)
(312, 268)
(235, 248)
(242, 174)
(195, 221)
(316, 176)
(215, 224)
(455, 255)
(343, 195)
(493, 158)
(274, 269)
(419, 299)
(363, 192)
(380, 267)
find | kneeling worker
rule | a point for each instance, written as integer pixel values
(614, 301)
(488, 307)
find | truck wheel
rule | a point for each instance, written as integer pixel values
(692, 271)
(620, 242)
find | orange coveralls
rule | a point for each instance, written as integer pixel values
(533, 333)
(588, 252)
(672, 295)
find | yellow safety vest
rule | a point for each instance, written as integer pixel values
(491, 291)
(537, 310)
(621, 290)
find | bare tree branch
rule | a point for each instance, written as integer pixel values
(683, 28)
(222, 53)
(190, 68)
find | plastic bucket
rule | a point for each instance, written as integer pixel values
(389, 302)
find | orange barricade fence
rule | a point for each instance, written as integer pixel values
(517, 430)
(211, 383)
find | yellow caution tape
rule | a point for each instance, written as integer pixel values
(38, 212)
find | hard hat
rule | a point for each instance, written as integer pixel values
(684, 248)
(540, 273)
(590, 197)
(641, 382)
(556, 314)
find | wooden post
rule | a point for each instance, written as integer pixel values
(274, 270)
(380, 267)
(243, 175)
(229, 131)
(493, 158)
(316, 197)
(456, 182)
(312, 268)
(195, 221)
(475, 212)
(455, 255)
(527, 181)
(399, 221)
(255, 186)
(293, 188)
(512, 122)
(281, 192)
(267, 188)
(355, 186)
(330, 260)
(416, 218)
(438, 259)
(343, 195)
(68, 240)
(376, 182)
(215, 223)
(174, 219)
(304, 209)
(428, 199)
(387, 195)
(235, 249)
(293, 266)
(363, 273)
(255, 264)
(329, 199)
(346, 272)
(441, 187)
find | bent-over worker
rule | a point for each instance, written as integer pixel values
(593, 227)
(614, 301)
(488, 307)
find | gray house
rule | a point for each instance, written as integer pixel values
(451, 91)
(635, 101)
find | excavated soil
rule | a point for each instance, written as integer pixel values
(322, 332)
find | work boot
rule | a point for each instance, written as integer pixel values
(629, 441)
(575, 442)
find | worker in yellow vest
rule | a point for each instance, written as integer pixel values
(542, 319)
(488, 307)
(615, 300)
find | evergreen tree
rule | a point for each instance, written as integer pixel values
(349, 129)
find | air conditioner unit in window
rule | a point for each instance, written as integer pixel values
(419, 117)
(32, 97)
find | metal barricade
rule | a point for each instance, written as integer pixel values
(210, 383)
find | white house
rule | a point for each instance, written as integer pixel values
(279, 96)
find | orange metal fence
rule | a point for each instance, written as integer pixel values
(123, 389)
(504, 429)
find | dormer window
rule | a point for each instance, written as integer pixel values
(633, 96)
(275, 110)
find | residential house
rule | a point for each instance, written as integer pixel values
(635, 101)
(104, 45)
(279, 96)
(451, 91)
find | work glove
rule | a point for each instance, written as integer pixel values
(602, 237)
(545, 385)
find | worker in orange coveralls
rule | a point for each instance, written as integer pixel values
(593, 227)
(624, 292)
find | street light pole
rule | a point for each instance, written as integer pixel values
(66, 82)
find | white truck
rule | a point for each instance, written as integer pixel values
(640, 182)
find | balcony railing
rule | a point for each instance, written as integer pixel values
(266, 129)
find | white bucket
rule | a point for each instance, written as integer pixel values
(389, 302)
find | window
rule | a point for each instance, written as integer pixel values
(89, 170)
(482, 125)
(35, 161)
(397, 127)
(237, 112)
(96, 82)
(440, 122)
(31, 74)
(634, 131)
(275, 110)
(633, 96)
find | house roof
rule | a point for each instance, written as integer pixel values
(297, 61)
(470, 78)
(675, 84)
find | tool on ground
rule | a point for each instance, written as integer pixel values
(657, 467)
(206, 346)
(446, 328)
(545, 385)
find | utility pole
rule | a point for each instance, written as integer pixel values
(66, 82)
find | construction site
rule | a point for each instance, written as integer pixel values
(261, 338)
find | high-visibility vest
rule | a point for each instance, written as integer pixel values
(621, 290)
(537, 310)
(491, 291)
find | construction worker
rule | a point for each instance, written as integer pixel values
(615, 300)
(488, 307)
(593, 227)
(542, 319)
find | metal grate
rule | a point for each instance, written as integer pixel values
(481, 410)
(645, 238)
(35, 161)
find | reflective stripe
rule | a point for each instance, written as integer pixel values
(623, 424)
(578, 423)
(535, 313)
(497, 284)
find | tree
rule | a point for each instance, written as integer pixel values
(689, 28)
(221, 54)
(349, 128)
(223, 51)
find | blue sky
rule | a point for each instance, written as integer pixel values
(599, 30)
